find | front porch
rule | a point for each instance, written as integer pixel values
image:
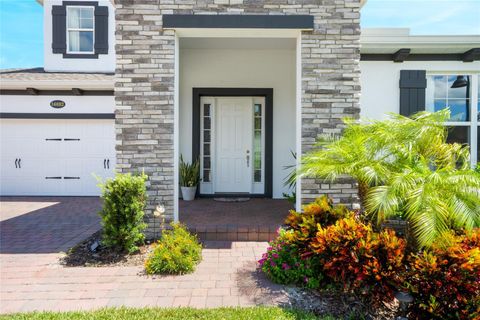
(254, 220)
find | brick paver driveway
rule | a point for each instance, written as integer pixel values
(46, 224)
(35, 230)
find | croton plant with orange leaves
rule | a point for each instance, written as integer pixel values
(320, 212)
(362, 260)
(445, 281)
(335, 247)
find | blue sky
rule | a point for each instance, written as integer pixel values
(21, 23)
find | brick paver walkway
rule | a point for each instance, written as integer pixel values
(35, 230)
(227, 276)
(256, 211)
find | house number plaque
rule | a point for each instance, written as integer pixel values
(57, 104)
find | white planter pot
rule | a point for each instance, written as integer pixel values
(188, 193)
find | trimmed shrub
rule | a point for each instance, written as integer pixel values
(282, 263)
(321, 211)
(122, 214)
(445, 281)
(363, 261)
(177, 252)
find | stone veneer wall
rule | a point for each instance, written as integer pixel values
(144, 87)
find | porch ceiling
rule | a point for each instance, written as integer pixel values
(237, 43)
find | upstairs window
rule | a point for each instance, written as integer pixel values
(80, 30)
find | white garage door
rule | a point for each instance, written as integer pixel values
(55, 157)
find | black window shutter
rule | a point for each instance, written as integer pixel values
(412, 91)
(59, 33)
(101, 30)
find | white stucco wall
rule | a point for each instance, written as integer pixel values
(41, 104)
(56, 62)
(233, 68)
(380, 82)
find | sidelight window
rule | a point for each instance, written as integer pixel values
(207, 142)
(257, 143)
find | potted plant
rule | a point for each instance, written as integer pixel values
(189, 178)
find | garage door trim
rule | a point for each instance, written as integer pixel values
(13, 115)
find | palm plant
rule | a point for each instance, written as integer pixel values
(404, 167)
(189, 173)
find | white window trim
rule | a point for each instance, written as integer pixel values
(210, 187)
(473, 123)
(67, 29)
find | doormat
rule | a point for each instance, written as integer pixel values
(231, 199)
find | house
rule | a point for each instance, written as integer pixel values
(240, 85)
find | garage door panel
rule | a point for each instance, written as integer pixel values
(93, 129)
(93, 170)
(49, 128)
(10, 186)
(75, 147)
(20, 147)
(51, 163)
(51, 148)
(21, 185)
(9, 167)
(73, 178)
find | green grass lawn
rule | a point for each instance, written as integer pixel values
(254, 313)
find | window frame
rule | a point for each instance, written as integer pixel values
(473, 123)
(68, 29)
(258, 185)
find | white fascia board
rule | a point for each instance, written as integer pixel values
(235, 33)
(57, 85)
(389, 40)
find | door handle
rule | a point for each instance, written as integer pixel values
(71, 178)
(53, 139)
(68, 139)
(108, 163)
(16, 159)
(248, 161)
(19, 163)
(56, 178)
(104, 163)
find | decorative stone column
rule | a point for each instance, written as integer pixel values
(144, 87)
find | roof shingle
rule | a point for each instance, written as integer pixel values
(39, 74)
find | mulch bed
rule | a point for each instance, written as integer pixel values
(338, 304)
(81, 255)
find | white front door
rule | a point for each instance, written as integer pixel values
(234, 145)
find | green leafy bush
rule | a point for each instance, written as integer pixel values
(177, 252)
(283, 263)
(122, 214)
(404, 166)
(445, 281)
